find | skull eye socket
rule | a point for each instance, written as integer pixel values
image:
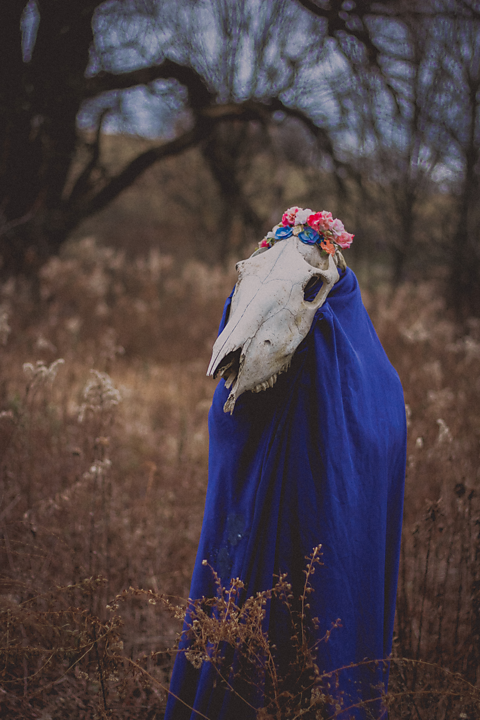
(311, 289)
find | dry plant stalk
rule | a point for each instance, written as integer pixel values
(119, 496)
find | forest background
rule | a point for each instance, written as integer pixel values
(145, 147)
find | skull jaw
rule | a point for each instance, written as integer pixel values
(237, 390)
(256, 364)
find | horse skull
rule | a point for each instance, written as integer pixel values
(269, 316)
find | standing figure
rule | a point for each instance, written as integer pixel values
(307, 448)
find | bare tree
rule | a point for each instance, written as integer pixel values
(461, 116)
(403, 143)
(417, 123)
(215, 62)
(375, 85)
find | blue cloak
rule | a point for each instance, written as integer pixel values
(317, 459)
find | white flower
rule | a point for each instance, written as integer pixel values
(302, 216)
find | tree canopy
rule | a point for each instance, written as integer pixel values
(388, 93)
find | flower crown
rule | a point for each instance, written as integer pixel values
(312, 228)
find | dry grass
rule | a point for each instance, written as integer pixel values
(103, 476)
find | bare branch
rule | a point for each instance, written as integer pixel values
(199, 94)
(137, 166)
(342, 22)
(6, 227)
(82, 184)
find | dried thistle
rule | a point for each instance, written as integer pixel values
(5, 328)
(41, 374)
(100, 395)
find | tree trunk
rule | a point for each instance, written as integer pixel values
(40, 100)
(464, 280)
(227, 146)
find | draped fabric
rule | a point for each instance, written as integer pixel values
(317, 459)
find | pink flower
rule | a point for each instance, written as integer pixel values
(288, 217)
(321, 221)
(264, 243)
(337, 227)
(344, 240)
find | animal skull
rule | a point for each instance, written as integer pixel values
(269, 316)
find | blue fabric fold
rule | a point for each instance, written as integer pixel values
(317, 459)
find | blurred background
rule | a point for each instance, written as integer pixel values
(190, 125)
(145, 147)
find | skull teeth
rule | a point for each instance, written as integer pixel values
(225, 369)
(272, 380)
(266, 384)
(230, 380)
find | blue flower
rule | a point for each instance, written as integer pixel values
(282, 233)
(309, 236)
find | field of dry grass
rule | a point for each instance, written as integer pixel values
(103, 446)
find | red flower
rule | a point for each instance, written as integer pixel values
(313, 220)
(321, 221)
